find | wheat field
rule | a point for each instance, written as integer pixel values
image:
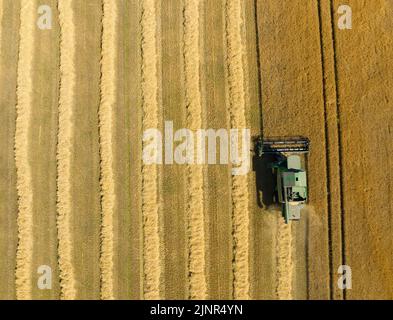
(79, 97)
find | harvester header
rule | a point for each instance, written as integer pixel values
(280, 145)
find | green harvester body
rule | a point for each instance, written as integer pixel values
(291, 187)
(289, 171)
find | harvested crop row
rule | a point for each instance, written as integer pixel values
(24, 254)
(150, 206)
(235, 52)
(195, 212)
(9, 45)
(64, 151)
(106, 115)
(284, 261)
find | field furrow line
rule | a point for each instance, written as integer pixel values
(339, 136)
(106, 118)
(64, 148)
(195, 178)
(284, 260)
(328, 143)
(150, 199)
(236, 78)
(24, 254)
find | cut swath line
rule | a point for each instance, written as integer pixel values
(240, 211)
(64, 148)
(150, 199)
(24, 254)
(195, 212)
(284, 261)
(106, 116)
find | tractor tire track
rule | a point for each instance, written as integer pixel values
(64, 151)
(150, 198)
(331, 142)
(339, 139)
(195, 173)
(327, 147)
(106, 118)
(236, 80)
(24, 254)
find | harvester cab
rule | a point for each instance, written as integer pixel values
(288, 167)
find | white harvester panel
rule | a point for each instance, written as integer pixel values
(294, 162)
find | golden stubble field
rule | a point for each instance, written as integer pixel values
(76, 196)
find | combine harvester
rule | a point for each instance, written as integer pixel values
(289, 172)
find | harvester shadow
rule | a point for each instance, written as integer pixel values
(264, 179)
